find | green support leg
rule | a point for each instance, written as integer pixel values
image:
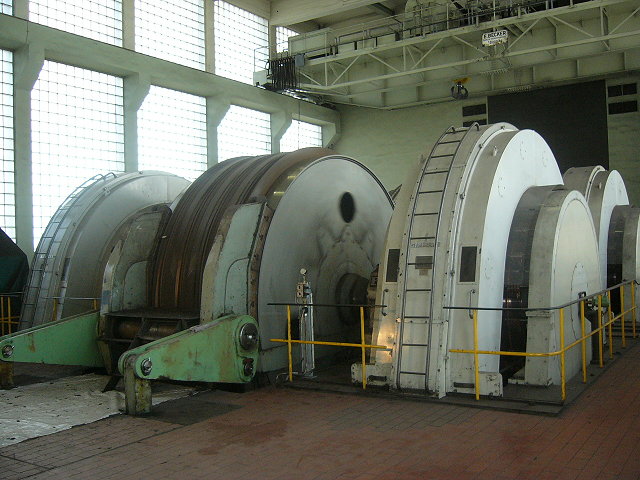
(6, 375)
(224, 350)
(137, 391)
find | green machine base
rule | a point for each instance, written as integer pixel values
(224, 350)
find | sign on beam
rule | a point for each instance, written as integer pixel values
(494, 38)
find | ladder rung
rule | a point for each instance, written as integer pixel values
(417, 289)
(450, 141)
(433, 172)
(422, 238)
(416, 316)
(415, 345)
(412, 373)
(425, 213)
(431, 191)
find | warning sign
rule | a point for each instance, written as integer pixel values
(494, 38)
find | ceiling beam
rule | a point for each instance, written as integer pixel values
(289, 12)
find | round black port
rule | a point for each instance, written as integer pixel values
(347, 207)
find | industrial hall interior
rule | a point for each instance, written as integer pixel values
(320, 239)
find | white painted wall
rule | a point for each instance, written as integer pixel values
(389, 141)
(624, 143)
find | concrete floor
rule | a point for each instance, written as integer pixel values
(281, 433)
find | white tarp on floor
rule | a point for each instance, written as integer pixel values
(42, 408)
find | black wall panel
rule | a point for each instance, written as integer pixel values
(572, 119)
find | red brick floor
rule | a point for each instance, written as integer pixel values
(290, 434)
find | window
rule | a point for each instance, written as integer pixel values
(97, 19)
(173, 31)
(282, 38)
(77, 132)
(172, 133)
(7, 194)
(620, 90)
(6, 7)
(241, 42)
(623, 107)
(244, 132)
(474, 110)
(300, 135)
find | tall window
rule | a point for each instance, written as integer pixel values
(77, 132)
(7, 193)
(282, 38)
(241, 42)
(244, 132)
(172, 133)
(300, 135)
(97, 19)
(6, 7)
(173, 31)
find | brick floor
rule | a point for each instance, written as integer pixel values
(289, 434)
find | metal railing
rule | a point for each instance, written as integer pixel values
(9, 317)
(582, 341)
(56, 303)
(419, 22)
(362, 345)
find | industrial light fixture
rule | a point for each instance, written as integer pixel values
(458, 90)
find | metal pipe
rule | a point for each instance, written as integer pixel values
(364, 363)
(623, 313)
(562, 360)
(584, 343)
(601, 363)
(610, 313)
(476, 367)
(289, 343)
(633, 308)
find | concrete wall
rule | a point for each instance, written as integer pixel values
(624, 143)
(389, 141)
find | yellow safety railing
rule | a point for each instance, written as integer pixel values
(9, 314)
(56, 303)
(362, 345)
(563, 348)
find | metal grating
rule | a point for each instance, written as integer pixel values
(7, 186)
(300, 135)
(178, 146)
(77, 132)
(172, 31)
(244, 132)
(241, 42)
(97, 19)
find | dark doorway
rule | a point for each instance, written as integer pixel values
(572, 119)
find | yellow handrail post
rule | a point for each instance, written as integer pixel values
(364, 363)
(476, 366)
(562, 372)
(622, 317)
(583, 343)
(55, 309)
(601, 363)
(633, 307)
(289, 343)
(95, 303)
(610, 323)
(2, 313)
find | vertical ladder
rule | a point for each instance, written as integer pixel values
(415, 329)
(39, 282)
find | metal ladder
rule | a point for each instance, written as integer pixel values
(431, 184)
(38, 289)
